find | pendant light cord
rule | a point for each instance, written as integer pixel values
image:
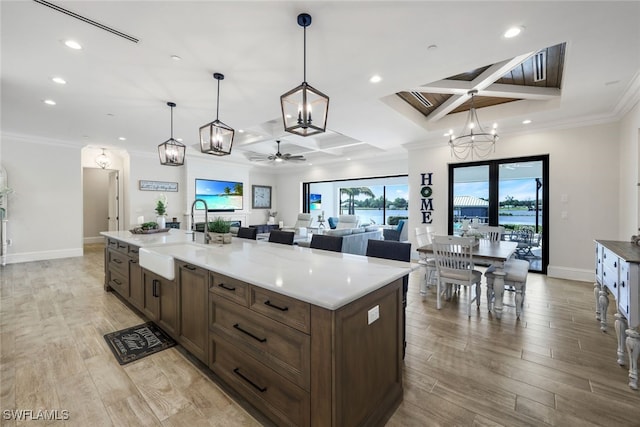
(304, 55)
(218, 100)
(171, 122)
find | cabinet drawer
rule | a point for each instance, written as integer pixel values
(133, 252)
(227, 287)
(118, 262)
(281, 348)
(119, 283)
(282, 401)
(282, 308)
(112, 243)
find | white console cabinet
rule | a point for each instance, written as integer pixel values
(618, 274)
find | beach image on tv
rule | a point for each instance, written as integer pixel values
(315, 201)
(219, 195)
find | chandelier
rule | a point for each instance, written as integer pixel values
(216, 138)
(103, 160)
(171, 152)
(473, 141)
(299, 103)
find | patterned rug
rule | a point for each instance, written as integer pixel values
(131, 344)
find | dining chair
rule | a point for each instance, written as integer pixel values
(283, 237)
(398, 251)
(454, 262)
(515, 277)
(423, 238)
(328, 243)
(492, 233)
(248, 233)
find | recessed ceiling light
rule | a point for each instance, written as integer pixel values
(59, 80)
(612, 82)
(179, 139)
(375, 79)
(122, 138)
(241, 130)
(72, 44)
(432, 47)
(512, 32)
(176, 58)
(49, 102)
(526, 122)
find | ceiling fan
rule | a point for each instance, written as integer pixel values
(277, 157)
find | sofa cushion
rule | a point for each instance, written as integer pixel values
(372, 228)
(357, 230)
(338, 232)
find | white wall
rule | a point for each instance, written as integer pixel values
(583, 164)
(629, 164)
(45, 217)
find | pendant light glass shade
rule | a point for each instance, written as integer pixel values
(171, 152)
(304, 108)
(103, 160)
(216, 137)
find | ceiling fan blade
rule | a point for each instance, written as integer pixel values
(290, 157)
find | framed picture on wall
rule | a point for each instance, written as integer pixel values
(260, 197)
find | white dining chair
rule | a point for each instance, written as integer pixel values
(490, 232)
(423, 238)
(454, 263)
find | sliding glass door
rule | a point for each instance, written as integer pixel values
(512, 193)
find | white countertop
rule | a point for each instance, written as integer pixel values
(323, 278)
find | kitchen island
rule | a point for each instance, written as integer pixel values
(307, 337)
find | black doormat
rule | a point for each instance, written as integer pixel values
(137, 342)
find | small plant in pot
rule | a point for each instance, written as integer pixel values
(219, 230)
(161, 210)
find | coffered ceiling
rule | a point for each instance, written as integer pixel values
(118, 84)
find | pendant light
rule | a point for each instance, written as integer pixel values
(171, 152)
(103, 160)
(304, 109)
(473, 140)
(216, 138)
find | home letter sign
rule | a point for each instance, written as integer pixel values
(426, 208)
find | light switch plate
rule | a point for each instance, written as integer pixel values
(373, 314)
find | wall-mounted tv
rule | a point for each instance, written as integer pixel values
(219, 195)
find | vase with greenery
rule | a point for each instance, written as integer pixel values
(219, 230)
(161, 210)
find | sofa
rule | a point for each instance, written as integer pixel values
(354, 241)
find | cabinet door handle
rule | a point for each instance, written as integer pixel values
(154, 291)
(225, 287)
(189, 267)
(237, 326)
(622, 284)
(257, 387)
(615, 264)
(267, 302)
(117, 282)
(615, 285)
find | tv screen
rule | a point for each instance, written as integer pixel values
(219, 195)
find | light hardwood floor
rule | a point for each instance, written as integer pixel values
(553, 367)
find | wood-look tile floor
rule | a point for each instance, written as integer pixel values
(552, 367)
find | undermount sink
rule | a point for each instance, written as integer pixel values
(158, 263)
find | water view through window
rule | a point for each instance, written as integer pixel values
(373, 200)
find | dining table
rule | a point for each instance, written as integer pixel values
(493, 253)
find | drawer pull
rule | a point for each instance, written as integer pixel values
(267, 302)
(135, 251)
(133, 261)
(237, 326)
(117, 282)
(189, 267)
(225, 287)
(257, 387)
(117, 261)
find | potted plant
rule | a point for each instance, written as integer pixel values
(219, 230)
(161, 210)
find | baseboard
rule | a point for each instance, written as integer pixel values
(95, 239)
(41, 256)
(568, 273)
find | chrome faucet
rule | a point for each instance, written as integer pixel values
(207, 237)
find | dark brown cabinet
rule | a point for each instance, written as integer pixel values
(161, 302)
(194, 290)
